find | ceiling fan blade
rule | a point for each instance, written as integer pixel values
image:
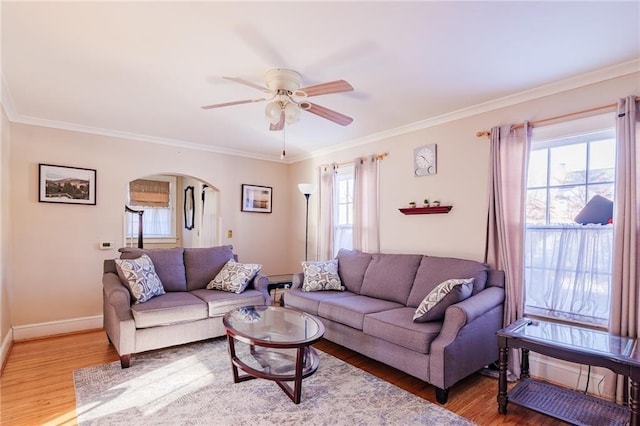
(330, 114)
(226, 104)
(327, 88)
(248, 83)
(280, 124)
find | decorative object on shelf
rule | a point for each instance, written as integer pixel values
(67, 185)
(424, 160)
(307, 189)
(426, 210)
(189, 210)
(425, 202)
(256, 198)
(412, 204)
(435, 204)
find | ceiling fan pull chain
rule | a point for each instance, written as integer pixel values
(284, 142)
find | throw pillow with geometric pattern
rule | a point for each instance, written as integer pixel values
(320, 276)
(445, 294)
(140, 275)
(234, 277)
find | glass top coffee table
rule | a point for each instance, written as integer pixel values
(273, 343)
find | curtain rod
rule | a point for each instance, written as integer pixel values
(346, 163)
(557, 117)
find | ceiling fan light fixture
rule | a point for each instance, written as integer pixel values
(272, 112)
(291, 113)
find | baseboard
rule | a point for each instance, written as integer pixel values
(51, 328)
(570, 375)
(5, 348)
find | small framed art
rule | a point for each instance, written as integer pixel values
(256, 198)
(68, 185)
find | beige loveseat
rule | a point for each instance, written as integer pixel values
(187, 312)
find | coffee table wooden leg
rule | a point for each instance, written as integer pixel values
(524, 366)
(503, 361)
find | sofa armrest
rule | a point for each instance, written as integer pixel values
(261, 283)
(117, 295)
(297, 279)
(458, 315)
(467, 339)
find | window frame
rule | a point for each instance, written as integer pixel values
(588, 131)
(173, 202)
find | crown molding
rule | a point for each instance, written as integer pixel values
(603, 74)
(559, 86)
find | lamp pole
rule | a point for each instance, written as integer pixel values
(307, 189)
(306, 228)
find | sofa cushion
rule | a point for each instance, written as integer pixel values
(168, 262)
(321, 276)
(397, 326)
(140, 277)
(234, 276)
(220, 302)
(435, 270)
(309, 301)
(203, 264)
(445, 294)
(169, 308)
(351, 267)
(351, 310)
(390, 276)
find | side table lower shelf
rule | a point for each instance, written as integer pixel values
(566, 404)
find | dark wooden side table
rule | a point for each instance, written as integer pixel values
(574, 344)
(279, 282)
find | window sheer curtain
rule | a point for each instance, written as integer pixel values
(325, 211)
(569, 271)
(505, 225)
(625, 315)
(366, 226)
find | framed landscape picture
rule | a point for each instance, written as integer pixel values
(256, 198)
(69, 185)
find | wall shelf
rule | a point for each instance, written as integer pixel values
(426, 210)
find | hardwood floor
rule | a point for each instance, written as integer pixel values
(36, 386)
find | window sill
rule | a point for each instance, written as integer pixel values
(566, 318)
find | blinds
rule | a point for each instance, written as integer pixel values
(149, 193)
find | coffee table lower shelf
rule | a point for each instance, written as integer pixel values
(568, 405)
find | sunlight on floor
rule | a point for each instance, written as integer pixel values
(152, 391)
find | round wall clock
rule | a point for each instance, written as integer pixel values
(424, 160)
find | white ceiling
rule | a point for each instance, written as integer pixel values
(144, 69)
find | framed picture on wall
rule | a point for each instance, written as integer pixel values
(68, 185)
(256, 198)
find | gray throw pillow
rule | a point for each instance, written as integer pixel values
(141, 278)
(321, 276)
(234, 277)
(445, 294)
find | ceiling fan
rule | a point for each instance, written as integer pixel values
(286, 98)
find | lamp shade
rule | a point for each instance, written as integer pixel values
(307, 188)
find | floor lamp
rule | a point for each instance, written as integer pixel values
(307, 189)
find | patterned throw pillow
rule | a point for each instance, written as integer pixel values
(140, 275)
(234, 277)
(321, 276)
(434, 305)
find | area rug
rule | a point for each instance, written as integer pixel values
(193, 385)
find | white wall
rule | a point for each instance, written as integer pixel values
(5, 242)
(57, 266)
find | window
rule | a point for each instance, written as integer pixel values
(157, 197)
(343, 209)
(568, 265)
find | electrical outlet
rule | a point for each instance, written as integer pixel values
(105, 245)
(229, 233)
